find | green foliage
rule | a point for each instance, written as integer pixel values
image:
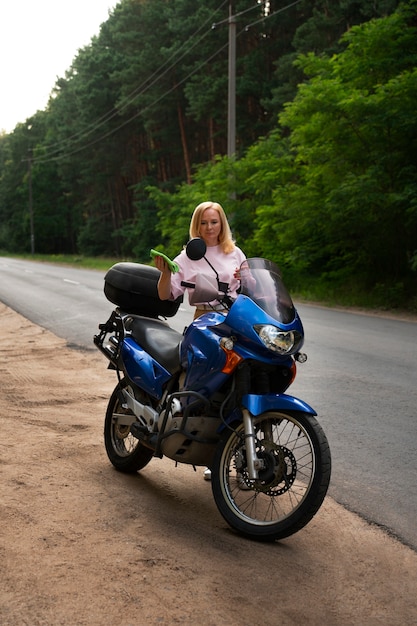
(138, 235)
(353, 135)
(331, 194)
(318, 28)
(95, 238)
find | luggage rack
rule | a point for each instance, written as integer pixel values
(111, 350)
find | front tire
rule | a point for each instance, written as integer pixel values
(125, 452)
(292, 485)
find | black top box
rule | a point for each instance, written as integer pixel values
(133, 287)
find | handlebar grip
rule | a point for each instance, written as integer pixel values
(189, 285)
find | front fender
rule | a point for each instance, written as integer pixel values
(274, 402)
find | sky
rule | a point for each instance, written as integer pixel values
(38, 41)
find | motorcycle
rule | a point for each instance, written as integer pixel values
(214, 395)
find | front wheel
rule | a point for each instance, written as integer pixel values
(125, 452)
(291, 486)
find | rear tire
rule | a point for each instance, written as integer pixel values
(125, 452)
(292, 485)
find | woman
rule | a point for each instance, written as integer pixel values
(209, 222)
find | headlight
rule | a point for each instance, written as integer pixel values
(281, 341)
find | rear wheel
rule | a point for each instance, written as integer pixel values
(291, 486)
(125, 452)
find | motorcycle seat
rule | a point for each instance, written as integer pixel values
(158, 339)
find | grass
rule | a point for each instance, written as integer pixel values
(392, 298)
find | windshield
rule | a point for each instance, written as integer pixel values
(261, 281)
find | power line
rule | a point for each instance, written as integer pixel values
(114, 130)
(226, 20)
(129, 99)
(266, 17)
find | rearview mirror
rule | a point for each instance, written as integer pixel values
(196, 249)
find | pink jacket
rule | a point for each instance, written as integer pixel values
(225, 265)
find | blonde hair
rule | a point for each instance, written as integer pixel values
(225, 237)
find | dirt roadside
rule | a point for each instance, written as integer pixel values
(81, 544)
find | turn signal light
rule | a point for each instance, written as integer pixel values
(232, 360)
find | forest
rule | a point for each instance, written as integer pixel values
(323, 174)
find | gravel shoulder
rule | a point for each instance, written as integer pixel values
(82, 544)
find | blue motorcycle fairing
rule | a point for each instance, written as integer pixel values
(257, 404)
(240, 321)
(202, 357)
(142, 369)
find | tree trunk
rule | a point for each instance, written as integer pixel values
(184, 145)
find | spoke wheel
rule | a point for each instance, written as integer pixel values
(292, 483)
(125, 452)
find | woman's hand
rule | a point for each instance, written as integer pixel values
(164, 282)
(161, 265)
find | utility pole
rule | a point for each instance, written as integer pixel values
(32, 227)
(231, 102)
(231, 117)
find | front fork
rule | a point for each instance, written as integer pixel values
(254, 464)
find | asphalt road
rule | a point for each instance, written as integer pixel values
(361, 378)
